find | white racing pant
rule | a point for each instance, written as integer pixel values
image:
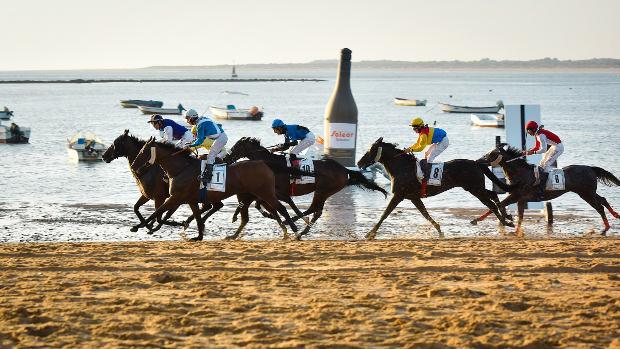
(215, 150)
(303, 144)
(435, 149)
(550, 156)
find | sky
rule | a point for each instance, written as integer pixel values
(110, 34)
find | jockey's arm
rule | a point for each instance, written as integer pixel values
(420, 145)
(200, 138)
(167, 134)
(540, 147)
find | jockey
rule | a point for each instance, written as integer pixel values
(171, 131)
(297, 136)
(206, 128)
(438, 141)
(544, 138)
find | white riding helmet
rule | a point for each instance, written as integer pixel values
(191, 114)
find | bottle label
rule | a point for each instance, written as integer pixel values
(340, 135)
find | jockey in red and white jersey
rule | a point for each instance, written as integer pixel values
(544, 138)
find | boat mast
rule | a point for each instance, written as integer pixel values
(234, 73)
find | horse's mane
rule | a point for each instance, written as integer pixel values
(515, 154)
(135, 139)
(395, 147)
(170, 146)
(253, 140)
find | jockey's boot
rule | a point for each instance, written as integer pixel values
(206, 175)
(425, 167)
(540, 188)
(295, 163)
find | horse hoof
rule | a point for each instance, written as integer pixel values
(134, 229)
(510, 224)
(150, 232)
(370, 236)
(474, 222)
(230, 237)
(509, 217)
(297, 237)
(234, 219)
(197, 238)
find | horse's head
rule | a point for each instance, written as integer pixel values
(117, 148)
(246, 147)
(499, 155)
(379, 151)
(146, 157)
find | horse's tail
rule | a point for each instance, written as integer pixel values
(490, 175)
(358, 179)
(280, 167)
(605, 177)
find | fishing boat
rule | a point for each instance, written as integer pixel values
(135, 103)
(13, 133)
(153, 110)
(232, 113)
(85, 146)
(487, 120)
(6, 114)
(448, 108)
(409, 102)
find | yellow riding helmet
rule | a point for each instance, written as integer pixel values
(417, 122)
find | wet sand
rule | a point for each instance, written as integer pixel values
(453, 293)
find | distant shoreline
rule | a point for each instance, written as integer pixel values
(97, 81)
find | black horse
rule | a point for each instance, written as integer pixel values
(457, 173)
(579, 179)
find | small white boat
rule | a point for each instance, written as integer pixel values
(13, 133)
(409, 102)
(6, 114)
(487, 120)
(85, 146)
(232, 113)
(448, 108)
(152, 110)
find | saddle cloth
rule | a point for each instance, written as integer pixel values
(218, 179)
(556, 180)
(436, 173)
(305, 164)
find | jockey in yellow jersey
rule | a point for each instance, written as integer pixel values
(434, 137)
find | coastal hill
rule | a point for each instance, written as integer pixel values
(485, 63)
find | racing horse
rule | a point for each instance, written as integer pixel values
(151, 182)
(330, 178)
(247, 178)
(579, 179)
(401, 168)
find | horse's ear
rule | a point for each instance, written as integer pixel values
(379, 140)
(151, 140)
(502, 146)
(126, 132)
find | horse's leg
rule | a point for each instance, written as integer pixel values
(594, 201)
(168, 203)
(420, 206)
(214, 208)
(520, 212)
(203, 209)
(396, 199)
(298, 213)
(488, 202)
(262, 210)
(244, 204)
(603, 201)
(502, 209)
(510, 199)
(309, 225)
(245, 218)
(136, 209)
(199, 222)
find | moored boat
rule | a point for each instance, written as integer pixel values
(449, 108)
(152, 110)
(487, 120)
(85, 146)
(6, 114)
(232, 113)
(409, 102)
(13, 133)
(135, 103)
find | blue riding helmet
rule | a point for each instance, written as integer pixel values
(277, 123)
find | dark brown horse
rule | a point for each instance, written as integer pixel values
(402, 170)
(331, 177)
(249, 178)
(579, 179)
(151, 183)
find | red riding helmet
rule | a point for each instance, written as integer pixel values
(531, 125)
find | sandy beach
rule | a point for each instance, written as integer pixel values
(453, 293)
